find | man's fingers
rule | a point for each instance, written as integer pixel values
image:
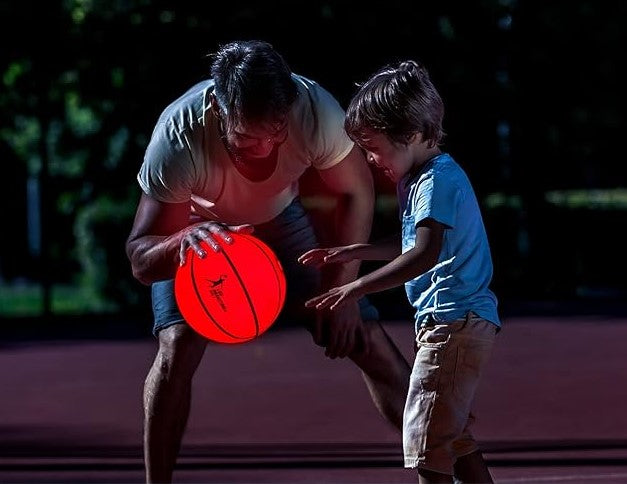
(193, 242)
(215, 230)
(210, 233)
(242, 229)
(211, 242)
(182, 254)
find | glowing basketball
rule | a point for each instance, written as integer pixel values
(233, 295)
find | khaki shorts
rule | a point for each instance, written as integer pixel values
(448, 365)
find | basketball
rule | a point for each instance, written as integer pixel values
(233, 295)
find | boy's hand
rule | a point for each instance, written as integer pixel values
(319, 257)
(336, 297)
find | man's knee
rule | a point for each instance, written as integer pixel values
(382, 353)
(180, 351)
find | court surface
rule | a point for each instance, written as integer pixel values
(550, 409)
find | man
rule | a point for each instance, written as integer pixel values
(227, 156)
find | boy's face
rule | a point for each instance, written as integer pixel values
(394, 159)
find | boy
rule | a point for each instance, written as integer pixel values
(443, 259)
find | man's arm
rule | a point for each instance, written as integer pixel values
(153, 244)
(160, 237)
(351, 181)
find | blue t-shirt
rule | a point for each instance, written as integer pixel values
(459, 282)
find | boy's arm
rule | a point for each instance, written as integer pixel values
(409, 265)
(421, 258)
(385, 249)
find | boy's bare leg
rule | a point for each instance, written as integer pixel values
(386, 373)
(472, 468)
(426, 476)
(167, 397)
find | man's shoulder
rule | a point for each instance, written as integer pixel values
(319, 120)
(313, 90)
(193, 102)
(304, 81)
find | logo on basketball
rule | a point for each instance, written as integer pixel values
(215, 289)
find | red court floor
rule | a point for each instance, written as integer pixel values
(551, 409)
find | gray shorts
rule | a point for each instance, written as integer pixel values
(290, 234)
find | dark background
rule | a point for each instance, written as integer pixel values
(534, 95)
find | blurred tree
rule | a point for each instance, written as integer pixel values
(533, 96)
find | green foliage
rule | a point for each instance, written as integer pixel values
(83, 86)
(100, 230)
(24, 138)
(615, 199)
(14, 71)
(26, 300)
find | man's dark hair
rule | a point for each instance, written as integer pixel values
(253, 82)
(398, 101)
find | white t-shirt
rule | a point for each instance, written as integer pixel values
(186, 160)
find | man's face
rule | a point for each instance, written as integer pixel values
(254, 141)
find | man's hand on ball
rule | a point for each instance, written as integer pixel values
(211, 233)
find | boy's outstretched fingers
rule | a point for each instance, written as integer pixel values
(314, 301)
(325, 301)
(314, 257)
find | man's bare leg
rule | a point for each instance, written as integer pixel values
(386, 373)
(167, 399)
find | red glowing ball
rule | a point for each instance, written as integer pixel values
(233, 295)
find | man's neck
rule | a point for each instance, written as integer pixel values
(257, 169)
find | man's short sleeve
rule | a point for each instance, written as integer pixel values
(167, 171)
(331, 144)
